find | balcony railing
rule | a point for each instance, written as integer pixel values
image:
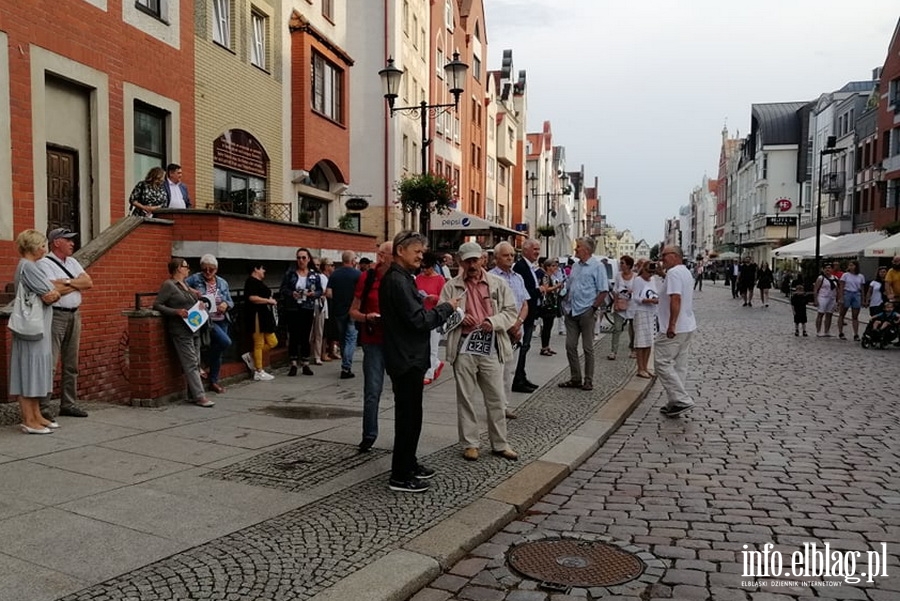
(834, 183)
(276, 211)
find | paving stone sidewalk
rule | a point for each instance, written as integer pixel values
(794, 441)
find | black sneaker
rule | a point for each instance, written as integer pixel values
(366, 445)
(411, 485)
(307, 371)
(347, 374)
(292, 371)
(677, 410)
(423, 473)
(72, 411)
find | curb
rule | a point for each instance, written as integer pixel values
(403, 572)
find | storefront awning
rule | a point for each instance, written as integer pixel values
(888, 247)
(802, 249)
(472, 225)
(851, 245)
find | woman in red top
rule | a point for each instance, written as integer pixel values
(430, 283)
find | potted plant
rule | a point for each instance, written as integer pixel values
(424, 193)
(347, 222)
(546, 231)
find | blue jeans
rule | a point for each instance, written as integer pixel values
(219, 340)
(346, 336)
(373, 384)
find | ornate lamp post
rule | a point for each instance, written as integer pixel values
(391, 77)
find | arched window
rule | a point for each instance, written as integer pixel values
(240, 172)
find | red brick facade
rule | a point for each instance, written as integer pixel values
(100, 40)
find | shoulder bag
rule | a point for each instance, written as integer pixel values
(27, 318)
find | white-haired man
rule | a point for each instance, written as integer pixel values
(504, 257)
(479, 348)
(676, 325)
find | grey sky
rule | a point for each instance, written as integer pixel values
(638, 92)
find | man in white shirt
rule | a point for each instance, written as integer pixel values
(176, 192)
(676, 327)
(69, 278)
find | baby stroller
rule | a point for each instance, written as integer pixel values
(873, 338)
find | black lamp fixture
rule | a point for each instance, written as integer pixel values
(391, 77)
(830, 148)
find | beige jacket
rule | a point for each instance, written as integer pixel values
(503, 306)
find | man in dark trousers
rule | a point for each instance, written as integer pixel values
(531, 248)
(407, 355)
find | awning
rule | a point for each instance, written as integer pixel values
(887, 247)
(802, 249)
(726, 256)
(472, 225)
(851, 245)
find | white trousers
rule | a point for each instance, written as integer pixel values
(671, 356)
(473, 371)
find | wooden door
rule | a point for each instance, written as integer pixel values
(62, 188)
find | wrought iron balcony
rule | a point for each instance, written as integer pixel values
(276, 211)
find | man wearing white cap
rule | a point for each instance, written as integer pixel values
(70, 279)
(490, 310)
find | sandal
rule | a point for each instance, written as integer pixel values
(545, 352)
(644, 374)
(611, 356)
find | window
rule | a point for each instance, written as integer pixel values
(149, 139)
(490, 167)
(476, 68)
(448, 15)
(222, 22)
(327, 88)
(236, 192)
(406, 17)
(328, 9)
(502, 175)
(415, 31)
(258, 47)
(415, 155)
(439, 63)
(405, 152)
(313, 211)
(150, 6)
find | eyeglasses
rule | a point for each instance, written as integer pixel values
(302, 258)
(185, 265)
(207, 269)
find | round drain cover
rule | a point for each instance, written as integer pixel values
(578, 563)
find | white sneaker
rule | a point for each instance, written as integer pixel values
(248, 359)
(262, 376)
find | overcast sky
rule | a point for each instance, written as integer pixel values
(638, 92)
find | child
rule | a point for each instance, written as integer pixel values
(887, 318)
(798, 305)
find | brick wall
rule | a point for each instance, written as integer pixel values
(125, 355)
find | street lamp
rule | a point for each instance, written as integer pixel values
(390, 81)
(829, 149)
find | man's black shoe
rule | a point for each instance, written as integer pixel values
(72, 411)
(423, 473)
(528, 382)
(523, 387)
(292, 371)
(411, 485)
(347, 374)
(366, 445)
(676, 410)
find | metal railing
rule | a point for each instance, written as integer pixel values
(276, 211)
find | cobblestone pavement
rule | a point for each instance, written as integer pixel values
(306, 550)
(793, 441)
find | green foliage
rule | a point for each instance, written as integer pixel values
(347, 222)
(425, 191)
(654, 252)
(546, 231)
(892, 228)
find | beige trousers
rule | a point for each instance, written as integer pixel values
(487, 374)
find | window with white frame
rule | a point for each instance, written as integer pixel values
(406, 17)
(448, 14)
(476, 68)
(405, 152)
(415, 31)
(259, 24)
(439, 62)
(222, 22)
(327, 88)
(328, 9)
(490, 167)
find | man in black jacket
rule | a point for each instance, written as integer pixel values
(531, 248)
(407, 356)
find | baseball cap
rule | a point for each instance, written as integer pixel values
(60, 232)
(469, 250)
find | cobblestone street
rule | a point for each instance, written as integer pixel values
(793, 441)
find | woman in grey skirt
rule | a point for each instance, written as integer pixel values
(173, 300)
(31, 361)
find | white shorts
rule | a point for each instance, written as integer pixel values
(825, 304)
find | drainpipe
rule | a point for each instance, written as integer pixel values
(387, 124)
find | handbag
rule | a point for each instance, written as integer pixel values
(27, 318)
(620, 304)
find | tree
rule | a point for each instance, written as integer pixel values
(423, 193)
(654, 252)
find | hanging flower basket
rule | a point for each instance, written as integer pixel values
(546, 231)
(425, 191)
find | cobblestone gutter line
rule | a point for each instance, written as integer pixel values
(306, 550)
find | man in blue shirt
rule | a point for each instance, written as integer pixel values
(585, 292)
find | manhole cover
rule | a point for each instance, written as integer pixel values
(569, 563)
